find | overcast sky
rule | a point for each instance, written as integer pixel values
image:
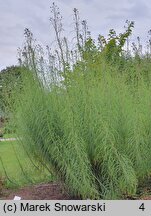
(16, 15)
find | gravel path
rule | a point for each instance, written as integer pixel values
(7, 139)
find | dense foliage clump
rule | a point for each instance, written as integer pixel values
(85, 116)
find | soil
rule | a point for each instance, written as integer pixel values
(51, 191)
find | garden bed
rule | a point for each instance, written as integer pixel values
(51, 191)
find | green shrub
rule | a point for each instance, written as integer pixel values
(89, 122)
(94, 135)
(1, 132)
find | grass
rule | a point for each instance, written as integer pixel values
(94, 134)
(19, 170)
(6, 136)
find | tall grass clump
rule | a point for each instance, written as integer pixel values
(88, 121)
(94, 135)
(47, 118)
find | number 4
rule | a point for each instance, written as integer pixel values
(142, 207)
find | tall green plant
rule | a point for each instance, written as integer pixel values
(93, 134)
(91, 127)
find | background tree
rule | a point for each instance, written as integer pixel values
(11, 80)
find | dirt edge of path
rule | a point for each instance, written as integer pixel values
(51, 191)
